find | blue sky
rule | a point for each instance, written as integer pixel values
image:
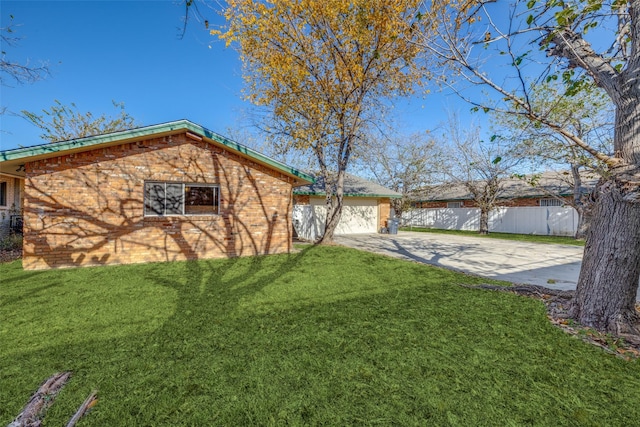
(130, 52)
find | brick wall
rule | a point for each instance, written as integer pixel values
(384, 210)
(430, 205)
(301, 199)
(87, 208)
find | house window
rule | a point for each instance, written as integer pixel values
(454, 204)
(178, 198)
(3, 193)
(551, 202)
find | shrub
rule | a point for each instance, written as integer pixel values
(11, 242)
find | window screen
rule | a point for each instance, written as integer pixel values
(172, 198)
(154, 198)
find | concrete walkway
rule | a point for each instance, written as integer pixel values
(553, 266)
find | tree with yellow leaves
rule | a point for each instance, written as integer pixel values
(323, 70)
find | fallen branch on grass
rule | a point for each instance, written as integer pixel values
(87, 404)
(31, 415)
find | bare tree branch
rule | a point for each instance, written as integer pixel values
(11, 70)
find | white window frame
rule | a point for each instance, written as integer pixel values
(455, 205)
(149, 212)
(4, 193)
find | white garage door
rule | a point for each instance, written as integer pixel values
(358, 215)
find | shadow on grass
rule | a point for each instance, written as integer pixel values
(376, 341)
(223, 284)
(13, 271)
(27, 294)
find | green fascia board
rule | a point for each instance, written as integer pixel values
(89, 141)
(163, 128)
(371, 196)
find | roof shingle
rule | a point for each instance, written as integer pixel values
(353, 187)
(556, 183)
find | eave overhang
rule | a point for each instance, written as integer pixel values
(12, 161)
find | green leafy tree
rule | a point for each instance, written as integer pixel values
(64, 122)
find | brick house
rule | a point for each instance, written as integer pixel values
(173, 191)
(551, 189)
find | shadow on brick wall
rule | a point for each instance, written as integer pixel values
(89, 208)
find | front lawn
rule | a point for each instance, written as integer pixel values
(327, 336)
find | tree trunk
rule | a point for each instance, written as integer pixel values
(334, 213)
(585, 215)
(583, 223)
(399, 206)
(334, 208)
(606, 292)
(484, 221)
(578, 204)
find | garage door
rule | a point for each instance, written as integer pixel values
(358, 215)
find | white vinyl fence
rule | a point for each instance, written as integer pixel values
(551, 221)
(307, 223)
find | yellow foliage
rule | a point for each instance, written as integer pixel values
(320, 66)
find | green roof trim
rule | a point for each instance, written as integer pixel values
(163, 128)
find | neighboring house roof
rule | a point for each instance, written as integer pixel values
(12, 160)
(549, 183)
(353, 187)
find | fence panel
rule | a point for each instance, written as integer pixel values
(551, 221)
(306, 223)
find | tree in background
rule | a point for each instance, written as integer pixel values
(14, 71)
(64, 122)
(322, 70)
(405, 164)
(479, 166)
(587, 114)
(581, 43)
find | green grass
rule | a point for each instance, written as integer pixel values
(557, 240)
(327, 336)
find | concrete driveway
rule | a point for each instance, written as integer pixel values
(553, 266)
